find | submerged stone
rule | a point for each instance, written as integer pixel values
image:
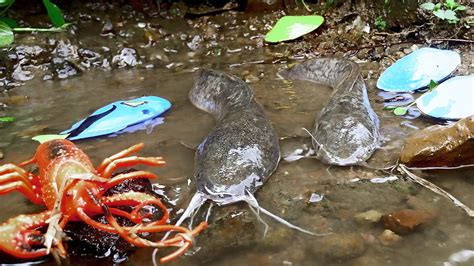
(406, 220)
(84, 240)
(368, 217)
(389, 238)
(63, 69)
(126, 57)
(339, 247)
(441, 146)
(231, 229)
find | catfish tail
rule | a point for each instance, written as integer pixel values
(214, 92)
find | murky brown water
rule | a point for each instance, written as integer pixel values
(55, 105)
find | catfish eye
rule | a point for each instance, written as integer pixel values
(146, 111)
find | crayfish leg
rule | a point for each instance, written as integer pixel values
(137, 200)
(123, 177)
(127, 152)
(129, 161)
(13, 178)
(27, 162)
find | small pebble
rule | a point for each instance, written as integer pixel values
(315, 198)
(368, 217)
(389, 238)
(251, 79)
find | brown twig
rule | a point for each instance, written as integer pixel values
(427, 184)
(452, 40)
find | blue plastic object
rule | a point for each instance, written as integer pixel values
(451, 100)
(417, 69)
(117, 116)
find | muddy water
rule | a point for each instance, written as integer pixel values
(235, 237)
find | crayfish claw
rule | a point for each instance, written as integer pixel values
(20, 236)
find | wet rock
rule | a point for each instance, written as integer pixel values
(63, 69)
(443, 146)
(228, 230)
(337, 247)
(406, 220)
(368, 217)
(389, 238)
(65, 49)
(108, 29)
(89, 58)
(195, 43)
(21, 74)
(127, 57)
(85, 240)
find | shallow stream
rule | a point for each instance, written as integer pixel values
(234, 236)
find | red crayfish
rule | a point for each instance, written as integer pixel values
(73, 190)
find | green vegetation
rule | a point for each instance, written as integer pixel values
(7, 119)
(445, 11)
(403, 110)
(380, 23)
(8, 25)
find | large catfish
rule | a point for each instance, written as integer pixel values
(240, 153)
(346, 132)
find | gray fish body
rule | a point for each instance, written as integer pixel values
(346, 132)
(242, 150)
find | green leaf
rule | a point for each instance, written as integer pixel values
(460, 8)
(380, 23)
(292, 27)
(389, 107)
(432, 85)
(439, 14)
(6, 2)
(7, 119)
(10, 22)
(44, 138)
(428, 6)
(437, 6)
(400, 110)
(450, 15)
(450, 4)
(6, 34)
(54, 13)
